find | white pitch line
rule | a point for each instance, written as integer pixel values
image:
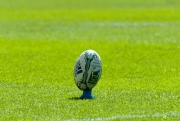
(128, 116)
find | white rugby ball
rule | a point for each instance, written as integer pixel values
(87, 70)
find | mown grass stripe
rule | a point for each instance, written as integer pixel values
(129, 116)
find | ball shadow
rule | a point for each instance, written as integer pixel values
(74, 98)
(78, 98)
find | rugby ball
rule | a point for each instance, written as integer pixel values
(87, 70)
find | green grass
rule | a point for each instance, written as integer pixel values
(139, 44)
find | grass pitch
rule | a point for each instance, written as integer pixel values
(139, 44)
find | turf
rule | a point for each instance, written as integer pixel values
(139, 44)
